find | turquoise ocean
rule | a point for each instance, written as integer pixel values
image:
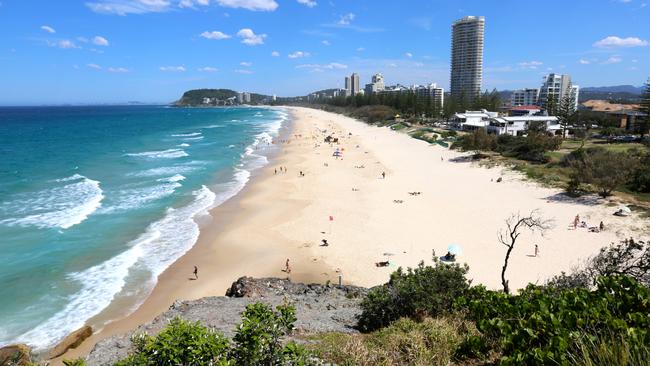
(96, 202)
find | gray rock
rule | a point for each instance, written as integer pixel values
(319, 308)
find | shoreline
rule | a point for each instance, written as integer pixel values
(172, 284)
(281, 216)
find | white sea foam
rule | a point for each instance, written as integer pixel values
(62, 206)
(187, 134)
(214, 126)
(197, 138)
(163, 154)
(184, 145)
(132, 198)
(167, 170)
(159, 246)
(174, 178)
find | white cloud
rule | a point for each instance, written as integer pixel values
(208, 69)
(635, 61)
(361, 49)
(82, 39)
(191, 3)
(321, 67)
(100, 41)
(326, 43)
(94, 66)
(409, 55)
(173, 68)
(275, 54)
(250, 38)
(215, 35)
(614, 41)
(124, 7)
(392, 64)
(308, 3)
(65, 44)
(299, 54)
(584, 62)
(48, 29)
(118, 70)
(254, 5)
(346, 19)
(613, 60)
(532, 65)
(246, 64)
(242, 71)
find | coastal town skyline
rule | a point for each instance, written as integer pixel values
(52, 51)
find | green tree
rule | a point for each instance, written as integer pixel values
(566, 110)
(605, 169)
(644, 123)
(551, 105)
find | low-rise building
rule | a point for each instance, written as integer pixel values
(518, 126)
(525, 110)
(472, 120)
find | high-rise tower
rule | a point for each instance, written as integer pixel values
(467, 57)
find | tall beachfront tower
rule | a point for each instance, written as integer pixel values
(467, 57)
(557, 86)
(355, 83)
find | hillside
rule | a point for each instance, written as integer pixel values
(196, 97)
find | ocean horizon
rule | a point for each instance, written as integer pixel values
(97, 201)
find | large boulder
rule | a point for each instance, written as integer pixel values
(15, 354)
(73, 340)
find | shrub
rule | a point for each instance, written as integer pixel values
(405, 342)
(180, 343)
(609, 350)
(540, 326)
(416, 292)
(257, 342)
(258, 338)
(630, 258)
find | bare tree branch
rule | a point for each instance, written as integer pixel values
(534, 222)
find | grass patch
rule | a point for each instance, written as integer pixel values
(404, 342)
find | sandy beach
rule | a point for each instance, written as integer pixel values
(367, 218)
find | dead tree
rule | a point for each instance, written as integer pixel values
(508, 237)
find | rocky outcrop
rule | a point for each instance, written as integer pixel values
(73, 340)
(15, 354)
(319, 308)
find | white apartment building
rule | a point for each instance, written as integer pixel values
(472, 120)
(467, 57)
(517, 126)
(431, 92)
(528, 96)
(558, 86)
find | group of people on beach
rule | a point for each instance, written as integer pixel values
(583, 224)
(283, 169)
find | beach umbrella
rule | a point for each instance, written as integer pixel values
(455, 249)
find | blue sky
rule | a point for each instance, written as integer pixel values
(108, 51)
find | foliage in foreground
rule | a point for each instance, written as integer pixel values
(629, 258)
(540, 325)
(405, 342)
(417, 292)
(257, 342)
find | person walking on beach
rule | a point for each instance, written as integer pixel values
(287, 268)
(536, 250)
(383, 175)
(576, 221)
(196, 272)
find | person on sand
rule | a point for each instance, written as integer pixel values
(536, 250)
(287, 268)
(383, 175)
(576, 221)
(601, 226)
(196, 272)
